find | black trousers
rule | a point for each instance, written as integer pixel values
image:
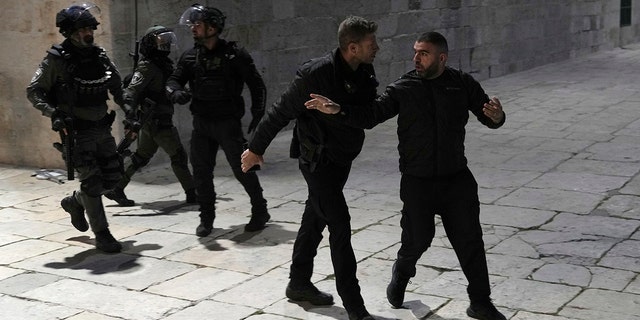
(326, 207)
(207, 137)
(455, 199)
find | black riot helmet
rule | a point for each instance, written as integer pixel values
(157, 41)
(209, 15)
(77, 16)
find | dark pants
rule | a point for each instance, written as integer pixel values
(455, 199)
(150, 138)
(326, 206)
(99, 169)
(207, 137)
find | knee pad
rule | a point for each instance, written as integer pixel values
(92, 186)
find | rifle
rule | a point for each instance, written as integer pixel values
(128, 139)
(67, 146)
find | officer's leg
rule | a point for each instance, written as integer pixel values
(140, 158)
(203, 161)
(169, 140)
(99, 170)
(229, 134)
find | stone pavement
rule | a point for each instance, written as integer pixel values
(559, 187)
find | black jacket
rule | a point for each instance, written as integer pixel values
(216, 78)
(432, 115)
(321, 137)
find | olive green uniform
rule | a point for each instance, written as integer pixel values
(148, 82)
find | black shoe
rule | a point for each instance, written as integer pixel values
(204, 230)
(191, 196)
(309, 293)
(76, 211)
(106, 242)
(361, 314)
(396, 288)
(257, 222)
(484, 311)
(118, 196)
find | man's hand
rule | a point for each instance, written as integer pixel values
(493, 110)
(322, 104)
(250, 159)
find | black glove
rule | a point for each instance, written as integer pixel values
(57, 120)
(180, 96)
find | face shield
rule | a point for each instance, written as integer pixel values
(83, 15)
(193, 15)
(166, 41)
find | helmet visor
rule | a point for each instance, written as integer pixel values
(192, 16)
(83, 14)
(165, 41)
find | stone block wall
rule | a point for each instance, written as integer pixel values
(487, 38)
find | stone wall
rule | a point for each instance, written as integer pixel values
(488, 38)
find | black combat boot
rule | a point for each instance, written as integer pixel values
(360, 313)
(259, 217)
(396, 288)
(484, 310)
(308, 292)
(191, 196)
(106, 242)
(118, 196)
(206, 224)
(71, 205)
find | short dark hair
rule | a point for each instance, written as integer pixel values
(354, 29)
(436, 38)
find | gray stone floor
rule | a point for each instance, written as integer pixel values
(559, 187)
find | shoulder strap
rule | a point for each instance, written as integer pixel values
(58, 51)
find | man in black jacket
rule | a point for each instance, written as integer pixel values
(325, 149)
(216, 71)
(432, 104)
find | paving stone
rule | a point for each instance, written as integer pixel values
(601, 226)
(108, 300)
(130, 271)
(623, 206)
(6, 272)
(25, 281)
(534, 296)
(198, 284)
(15, 308)
(603, 304)
(553, 200)
(563, 274)
(582, 182)
(25, 249)
(522, 218)
(610, 279)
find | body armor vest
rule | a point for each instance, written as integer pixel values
(88, 77)
(213, 81)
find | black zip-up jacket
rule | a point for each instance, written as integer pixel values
(432, 115)
(321, 137)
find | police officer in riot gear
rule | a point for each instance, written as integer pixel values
(73, 81)
(146, 94)
(216, 71)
